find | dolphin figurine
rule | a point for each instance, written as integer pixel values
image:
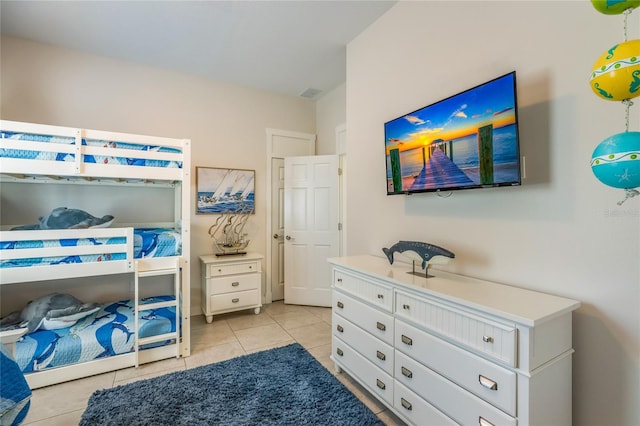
(65, 218)
(426, 252)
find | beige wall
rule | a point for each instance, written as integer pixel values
(562, 231)
(330, 113)
(225, 123)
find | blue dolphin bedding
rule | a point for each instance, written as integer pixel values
(31, 154)
(147, 243)
(107, 332)
(156, 242)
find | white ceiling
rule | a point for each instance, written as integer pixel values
(280, 46)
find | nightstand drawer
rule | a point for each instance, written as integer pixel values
(371, 320)
(377, 294)
(231, 269)
(375, 350)
(233, 283)
(235, 300)
(457, 403)
(491, 338)
(485, 379)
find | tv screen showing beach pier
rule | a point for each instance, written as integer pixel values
(465, 141)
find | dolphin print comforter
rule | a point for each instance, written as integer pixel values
(107, 332)
(131, 160)
(147, 242)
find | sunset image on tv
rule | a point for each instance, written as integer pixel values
(468, 140)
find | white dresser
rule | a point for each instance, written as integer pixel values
(230, 283)
(451, 349)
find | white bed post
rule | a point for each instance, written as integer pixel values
(185, 265)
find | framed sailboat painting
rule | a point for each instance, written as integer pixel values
(225, 190)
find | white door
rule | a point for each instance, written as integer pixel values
(277, 228)
(311, 206)
(280, 144)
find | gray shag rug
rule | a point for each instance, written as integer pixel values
(282, 386)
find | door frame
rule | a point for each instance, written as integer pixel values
(281, 144)
(341, 152)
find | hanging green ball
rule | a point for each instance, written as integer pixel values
(614, 7)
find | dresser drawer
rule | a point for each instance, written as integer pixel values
(235, 300)
(418, 411)
(454, 401)
(233, 283)
(485, 379)
(375, 350)
(375, 293)
(231, 269)
(377, 381)
(370, 319)
(496, 340)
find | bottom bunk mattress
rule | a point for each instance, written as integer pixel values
(107, 332)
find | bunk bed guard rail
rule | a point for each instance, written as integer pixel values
(65, 151)
(28, 255)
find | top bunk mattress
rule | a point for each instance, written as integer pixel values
(50, 150)
(125, 154)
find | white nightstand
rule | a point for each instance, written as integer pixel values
(230, 283)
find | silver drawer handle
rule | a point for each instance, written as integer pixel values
(381, 296)
(406, 404)
(235, 284)
(487, 382)
(236, 300)
(380, 384)
(487, 339)
(381, 356)
(406, 372)
(484, 422)
(339, 280)
(381, 326)
(339, 352)
(339, 328)
(407, 340)
(340, 305)
(406, 307)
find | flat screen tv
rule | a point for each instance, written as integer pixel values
(469, 140)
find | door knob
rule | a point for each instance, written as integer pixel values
(276, 236)
(288, 237)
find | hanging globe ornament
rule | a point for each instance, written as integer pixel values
(616, 160)
(616, 74)
(614, 7)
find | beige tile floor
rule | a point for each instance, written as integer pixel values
(228, 336)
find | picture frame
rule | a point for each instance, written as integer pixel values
(220, 190)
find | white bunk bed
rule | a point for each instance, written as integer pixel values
(40, 153)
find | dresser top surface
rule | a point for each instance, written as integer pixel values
(232, 258)
(523, 306)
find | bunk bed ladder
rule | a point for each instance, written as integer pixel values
(141, 272)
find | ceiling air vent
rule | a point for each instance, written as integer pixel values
(310, 93)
